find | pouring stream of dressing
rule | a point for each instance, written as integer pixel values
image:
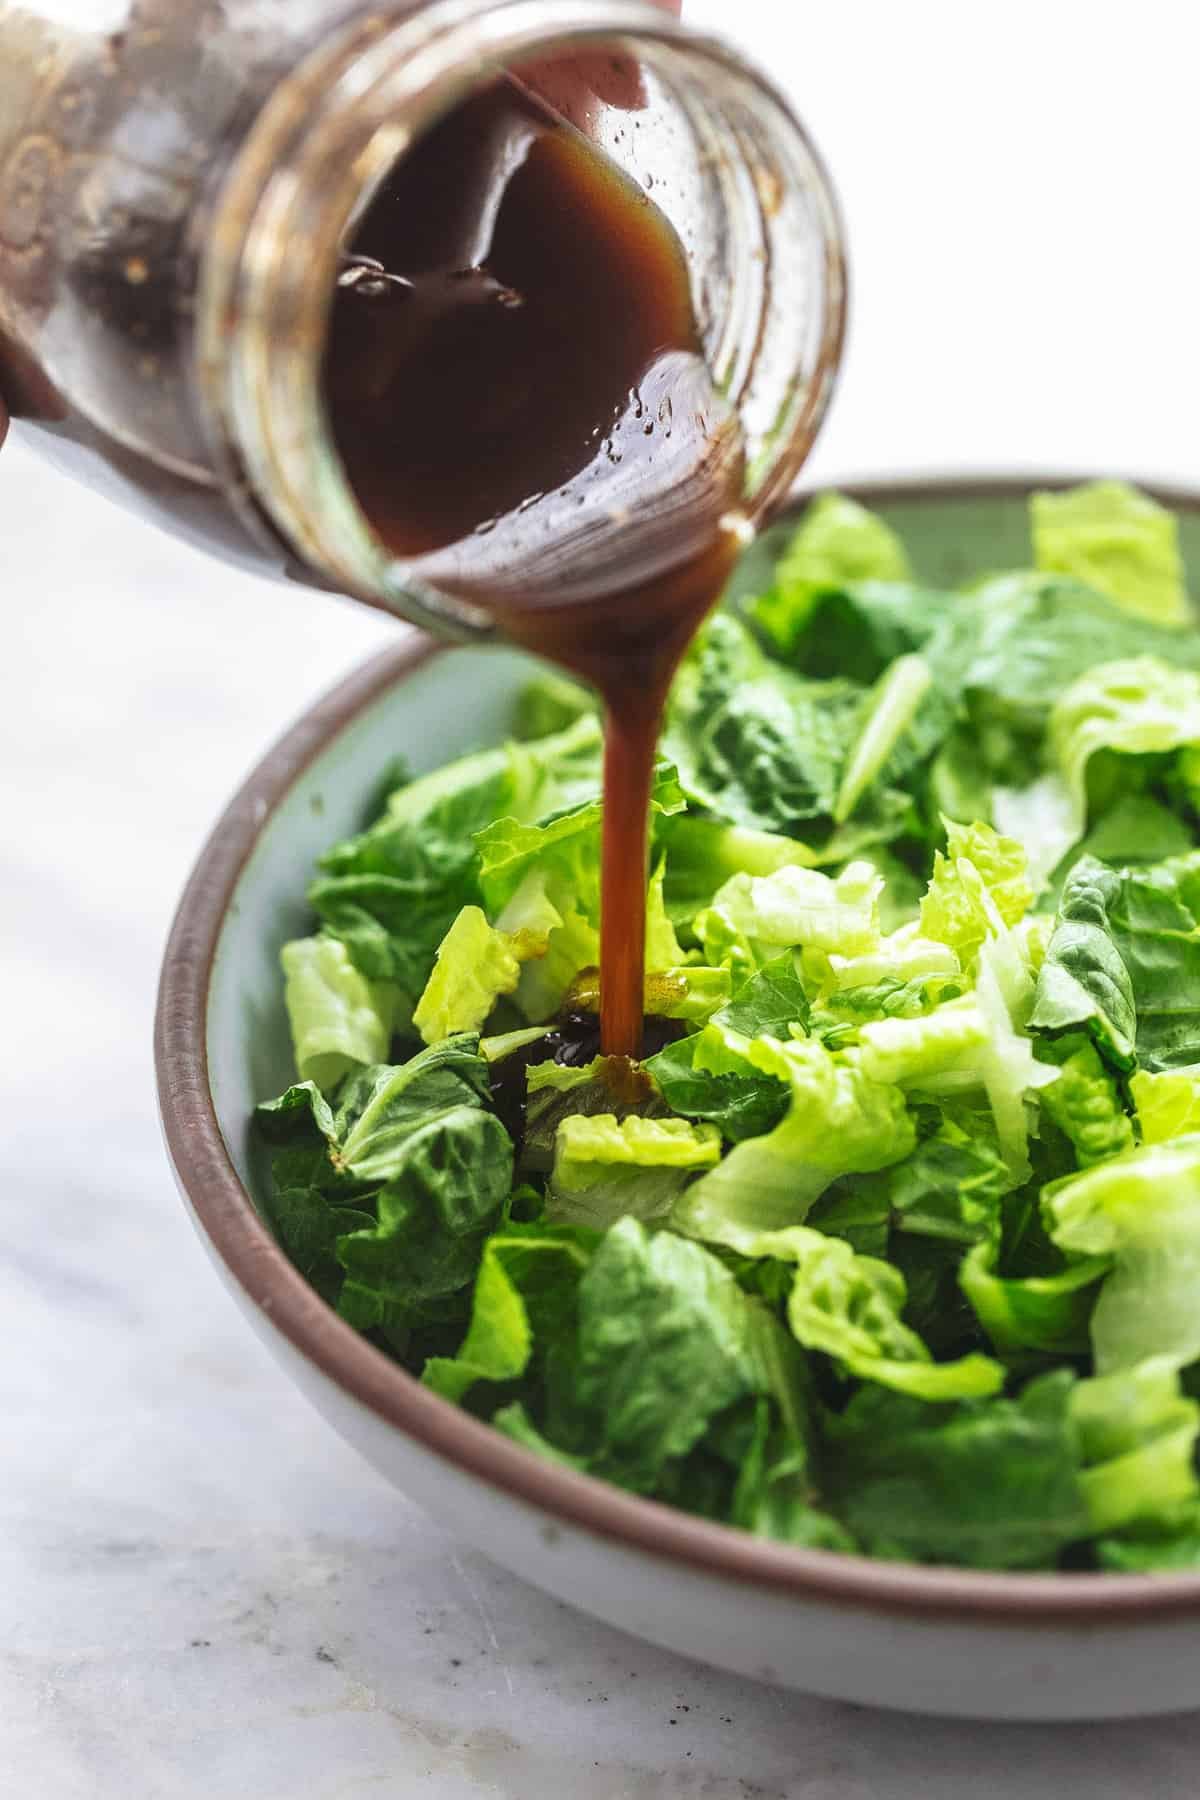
(516, 386)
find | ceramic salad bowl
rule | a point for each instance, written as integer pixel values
(924, 1639)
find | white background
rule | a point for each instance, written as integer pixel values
(202, 1592)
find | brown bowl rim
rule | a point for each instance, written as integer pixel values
(225, 1213)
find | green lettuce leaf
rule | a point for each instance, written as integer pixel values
(392, 893)
(1124, 962)
(1140, 707)
(529, 918)
(1049, 1314)
(1153, 919)
(1084, 983)
(572, 947)
(900, 959)
(777, 1493)
(907, 1052)
(526, 1292)
(308, 1224)
(839, 1122)
(380, 1108)
(1034, 634)
(548, 704)
(1002, 1062)
(453, 1176)
(507, 1043)
(776, 1497)
(692, 993)
(858, 629)
(605, 1169)
(960, 785)
(564, 849)
(1085, 1103)
(702, 854)
(1137, 829)
(663, 949)
(992, 1484)
(384, 1203)
(836, 542)
(662, 1347)
(1043, 818)
(308, 1203)
(1118, 541)
(1168, 1103)
(977, 888)
(1170, 1541)
(474, 965)
(888, 717)
(756, 745)
(339, 1020)
(1137, 1434)
(741, 1100)
(559, 861)
(753, 918)
(1143, 1211)
(947, 1189)
(769, 1003)
(300, 1119)
(557, 1091)
(849, 1307)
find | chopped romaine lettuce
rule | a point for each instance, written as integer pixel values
(1139, 708)
(890, 711)
(836, 543)
(1083, 982)
(977, 888)
(1143, 1210)
(893, 1245)
(662, 1345)
(752, 918)
(605, 1168)
(839, 1122)
(1085, 1102)
(1137, 1435)
(474, 965)
(1047, 1313)
(525, 1293)
(1168, 1103)
(1119, 541)
(990, 1484)
(339, 1020)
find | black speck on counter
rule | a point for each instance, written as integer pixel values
(326, 1656)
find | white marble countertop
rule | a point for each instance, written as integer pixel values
(202, 1591)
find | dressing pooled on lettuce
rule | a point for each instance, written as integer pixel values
(892, 1243)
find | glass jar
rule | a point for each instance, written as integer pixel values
(177, 186)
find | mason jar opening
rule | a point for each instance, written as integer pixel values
(695, 128)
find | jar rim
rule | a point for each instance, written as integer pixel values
(312, 161)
